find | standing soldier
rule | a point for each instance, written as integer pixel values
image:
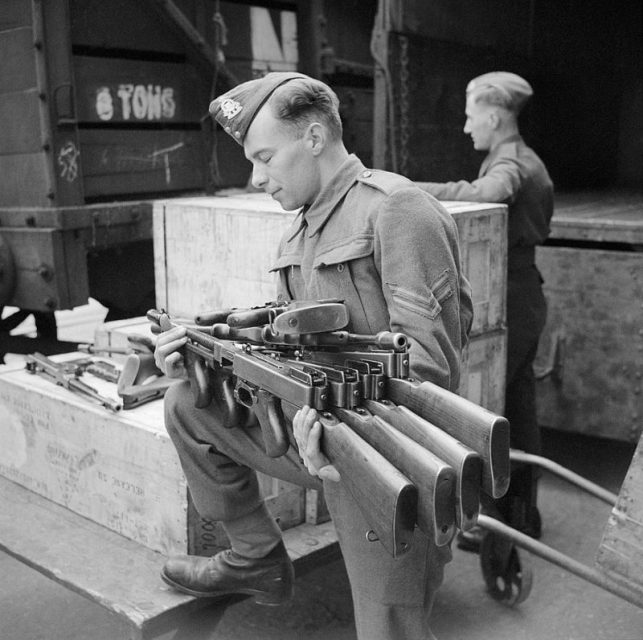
(513, 174)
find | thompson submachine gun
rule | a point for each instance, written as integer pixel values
(409, 452)
(68, 377)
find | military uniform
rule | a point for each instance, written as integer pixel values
(390, 251)
(513, 174)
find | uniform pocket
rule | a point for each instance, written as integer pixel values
(349, 249)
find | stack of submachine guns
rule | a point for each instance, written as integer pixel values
(411, 453)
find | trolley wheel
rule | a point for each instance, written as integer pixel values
(507, 573)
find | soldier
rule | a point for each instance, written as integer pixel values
(511, 173)
(390, 251)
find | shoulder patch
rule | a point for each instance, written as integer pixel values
(384, 181)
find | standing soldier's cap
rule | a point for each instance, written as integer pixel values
(514, 89)
(236, 109)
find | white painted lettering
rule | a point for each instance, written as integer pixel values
(139, 102)
(153, 102)
(125, 94)
(168, 104)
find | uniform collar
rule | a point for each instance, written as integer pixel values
(515, 137)
(329, 197)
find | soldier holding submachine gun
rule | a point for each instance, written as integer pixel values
(309, 392)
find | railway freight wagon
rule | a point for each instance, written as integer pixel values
(104, 108)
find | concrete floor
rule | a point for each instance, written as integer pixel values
(561, 606)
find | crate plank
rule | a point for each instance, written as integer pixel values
(483, 371)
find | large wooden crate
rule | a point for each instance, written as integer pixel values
(590, 354)
(119, 470)
(215, 252)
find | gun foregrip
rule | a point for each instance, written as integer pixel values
(206, 318)
(199, 382)
(250, 317)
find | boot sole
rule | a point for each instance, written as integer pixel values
(260, 597)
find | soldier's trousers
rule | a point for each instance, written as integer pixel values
(526, 314)
(392, 597)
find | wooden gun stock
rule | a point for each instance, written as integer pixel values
(483, 431)
(386, 497)
(434, 479)
(465, 462)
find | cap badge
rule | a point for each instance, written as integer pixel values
(230, 108)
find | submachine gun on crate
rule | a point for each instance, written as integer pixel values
(410, 452)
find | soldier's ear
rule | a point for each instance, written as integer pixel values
(316, 136)
(494, 119)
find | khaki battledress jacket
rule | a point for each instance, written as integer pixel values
(390, 251)
(513, 174)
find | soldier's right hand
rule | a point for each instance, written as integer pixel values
(167, 354)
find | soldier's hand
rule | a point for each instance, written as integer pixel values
(307, 431)
(167, 355)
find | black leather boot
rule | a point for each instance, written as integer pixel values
(269, 579)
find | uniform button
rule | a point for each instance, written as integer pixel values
(237, 134)
(228, 129)
(367, 174)
(340, 267)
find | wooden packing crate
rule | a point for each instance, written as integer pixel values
(592, 345)
(216, 252)
(117, 469)
(483, 370)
